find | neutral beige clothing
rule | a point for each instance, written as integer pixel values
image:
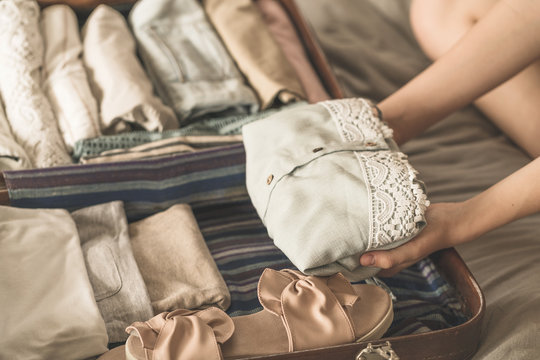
(64, 76)
(117, 78)
(119, 288)
(285, 34)
(257, 54)
(177, 145)
(47, 306)
(175, 262)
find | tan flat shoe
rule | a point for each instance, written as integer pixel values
(300, 312)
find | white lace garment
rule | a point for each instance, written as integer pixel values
(28, 111)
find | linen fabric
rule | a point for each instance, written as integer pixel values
(259, 57)
(163, 148)
(47, 306)
(212, 126)
(119, 289)
(175, 262)
(283, 31)
(27, 108)
(65, 81)
(190, 67)
(12, 155)
(117, 78)
(330, 184)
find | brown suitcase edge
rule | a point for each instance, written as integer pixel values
(4, 194)
(314, 51)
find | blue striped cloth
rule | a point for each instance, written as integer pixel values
(213, 183)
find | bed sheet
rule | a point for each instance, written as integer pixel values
(371, 48)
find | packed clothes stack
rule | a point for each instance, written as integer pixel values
(128, 123)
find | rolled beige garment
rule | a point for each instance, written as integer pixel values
(255, 51)
(117, 78)
(64, 77)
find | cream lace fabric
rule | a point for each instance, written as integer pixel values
(397, 198)
(28, 110)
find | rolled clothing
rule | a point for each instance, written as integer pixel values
(119, 289)
(285, 34)
(228, 125)
(175, 262)
(165, 147)
(28, 110)
(64, 77)
(190, 67)
(117, 78)
(259, 57)
(12, 155)
(47, 303)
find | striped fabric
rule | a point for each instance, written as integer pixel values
(213, 183)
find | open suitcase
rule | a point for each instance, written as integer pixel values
(160, 183)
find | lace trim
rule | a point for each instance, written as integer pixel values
(357, 121)
(397, 198)
(29, 113)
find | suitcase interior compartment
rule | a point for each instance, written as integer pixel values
(226, 201)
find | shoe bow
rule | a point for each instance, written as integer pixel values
(184, 334)
(312, 308)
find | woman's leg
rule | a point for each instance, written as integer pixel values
(499, 45)
(513, 106)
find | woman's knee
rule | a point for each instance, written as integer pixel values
(439, 24)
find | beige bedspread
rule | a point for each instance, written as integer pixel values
(372, 51)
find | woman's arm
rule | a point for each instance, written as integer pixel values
(501, 44)
(451, 224)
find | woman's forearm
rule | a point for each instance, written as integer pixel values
(512, 198)
(500, 45)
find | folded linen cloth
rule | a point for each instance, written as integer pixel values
(190, 67)
(175, 262)
(163, 147)
(329, 183)
(27, 108)
(117, 78)
(227, 125)
(257, 54)
(46, 303)
(119, 289)
(12, 155)
(64, 77)
(285, 34)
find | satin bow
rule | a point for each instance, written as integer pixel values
(184, 334)
(312, 308)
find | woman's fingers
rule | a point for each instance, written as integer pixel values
(433, 237)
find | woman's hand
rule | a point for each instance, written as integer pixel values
(442, 231)
(450, 224)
